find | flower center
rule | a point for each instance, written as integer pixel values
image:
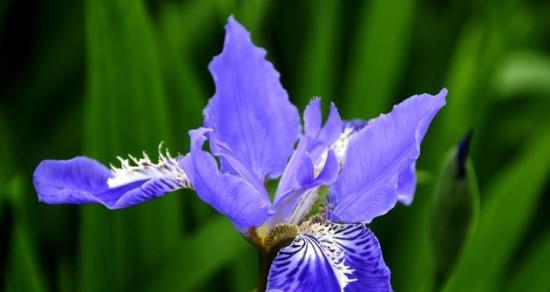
(280, 236)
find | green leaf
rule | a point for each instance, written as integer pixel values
(179, 32)
(5, 155)
(125, 113)
(512, 198)
(195, 259)
(251, 13)
(180, 29)
(319, 53)
(531, 274)
(24, 273)
(377, 56)
(524, 72)
(244, 270)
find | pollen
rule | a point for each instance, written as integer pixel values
(280, 236)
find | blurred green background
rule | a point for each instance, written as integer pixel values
(109, 77)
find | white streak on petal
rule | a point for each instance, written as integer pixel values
(133, 169)
(303, 207)
(339, 147)
(325, 233)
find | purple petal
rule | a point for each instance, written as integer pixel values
(379, 159)
(406, 184)
(236, 167)
(362, 253)
(229, 194)
(74, 181)
(303, 266)
(250, 111)
(293, 207)
(330, 257)
(83, 180)
(312, 145)
(326, 136)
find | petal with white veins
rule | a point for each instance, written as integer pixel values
(330, 257)
(83, 180)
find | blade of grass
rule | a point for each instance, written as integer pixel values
(190, 264)
(5, 154)
(511, 200)
(524, 72)
(23, 272)
(377, 56)
(125, 113)
(531, 274)
(251, 13)
(244, 271)
(319, 53)
(179, 32)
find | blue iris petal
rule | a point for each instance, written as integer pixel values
(83, 180)
(379, 166)
(229, 194)
(331, 257)
(250, 111)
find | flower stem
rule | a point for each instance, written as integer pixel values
(264, 263)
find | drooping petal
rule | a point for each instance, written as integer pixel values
(330, 257)
(83, 180)
(74, 181)
(377, 170)
(362, 253)
(250, 111)
(229, 194)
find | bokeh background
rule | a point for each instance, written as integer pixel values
(109, 77)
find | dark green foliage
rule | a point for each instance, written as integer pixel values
(115, 77)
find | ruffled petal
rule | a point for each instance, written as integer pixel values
(83, 180)
(250, 111)
(229, 194)
(380, 159)
(330, 257)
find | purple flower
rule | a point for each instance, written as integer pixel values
(255, 134)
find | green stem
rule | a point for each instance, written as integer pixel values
(263, 270)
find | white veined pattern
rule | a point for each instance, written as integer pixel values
(330, 257)
(166, 170)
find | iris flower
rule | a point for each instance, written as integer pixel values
(255, 135)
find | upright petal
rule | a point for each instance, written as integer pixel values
(380, 157)
(229, 194)
(330, 257)
(83, 180)
(313, 146)
(294, 206)
(250, 111)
